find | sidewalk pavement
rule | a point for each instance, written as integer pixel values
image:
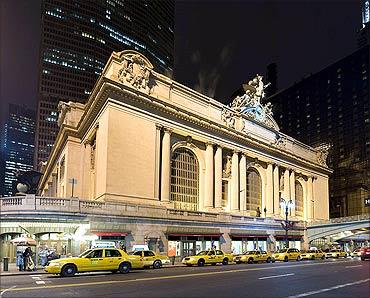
(13, 270)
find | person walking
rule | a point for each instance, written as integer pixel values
(20, 260)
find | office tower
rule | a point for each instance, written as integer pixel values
(17, 148)
(77, 39)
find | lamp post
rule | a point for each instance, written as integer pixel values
(287, 205)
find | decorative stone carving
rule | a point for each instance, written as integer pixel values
(322, 152)
(136, 70)
(249, 104)
(280, 142)
(228, 118)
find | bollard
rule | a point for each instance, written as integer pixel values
(173, 260)
(6, 264)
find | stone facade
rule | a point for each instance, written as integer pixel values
(140, 133)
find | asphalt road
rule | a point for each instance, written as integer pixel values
(327, 278)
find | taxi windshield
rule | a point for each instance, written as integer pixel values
(202, 253)
(281, 250)
(86, 252)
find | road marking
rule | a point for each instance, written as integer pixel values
(4, 291)
(40, 282)
(274, 276)
(36, 275)
(353, 266)
(164, 277)
(330, 289)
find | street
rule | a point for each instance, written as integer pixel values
(326, 278)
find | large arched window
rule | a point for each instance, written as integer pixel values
(184, 179)
(298, 199)
(254, 190)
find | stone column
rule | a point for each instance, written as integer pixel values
(286, 192)
(218, 177)
(276, 190)
(54, 183)
(269, 199)
(243, 182)
(208, 198)
(235, 181)
(166, 165)
(308, 207)
(292, 191)
(158, 128)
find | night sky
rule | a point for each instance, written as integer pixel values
(218, 44)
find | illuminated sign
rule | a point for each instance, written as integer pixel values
(367, 202)
(366, 12)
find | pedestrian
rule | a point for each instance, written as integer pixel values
(20, 261)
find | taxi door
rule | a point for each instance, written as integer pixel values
(219, 256)
(292, 254)
(97, 262)
(264, 256)
(148, 258)
(211, 256)
(113, 258)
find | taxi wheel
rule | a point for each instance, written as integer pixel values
(225, 261)
(68, 270)
(286, 259)
(268, 260)
(250, 260)
(201, 263)
(157, 264)
(313, 257)
(124, 267)
(323, 258)
(298, 259)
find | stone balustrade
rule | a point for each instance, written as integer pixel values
(31, 203)
(345, 219)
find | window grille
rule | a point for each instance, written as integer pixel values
(184, 180)
(298, 199)
(254, 190)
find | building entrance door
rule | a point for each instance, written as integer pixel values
(188, 248)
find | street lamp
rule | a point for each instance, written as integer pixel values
(287, 205)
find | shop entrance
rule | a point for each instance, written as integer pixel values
(188, 248)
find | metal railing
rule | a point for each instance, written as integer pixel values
(360, 217)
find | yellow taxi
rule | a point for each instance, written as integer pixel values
(98, 259)
(287, 254)
(150, 258)
(212, 256)
(254, 256)
(335, 253)
(312, 254)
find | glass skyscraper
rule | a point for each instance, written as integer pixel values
(78, 37)
(17, 148)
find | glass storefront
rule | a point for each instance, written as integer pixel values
(181, 246)
(242, 244)
(293, 243)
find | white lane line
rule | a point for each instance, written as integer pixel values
(330, 289)
(35, 275)
(274, 276)
(353, 266)
(3, 292)
(40, 282)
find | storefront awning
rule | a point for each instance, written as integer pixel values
(240, 233)
(193, 231)
(291, 234)
(109, 233)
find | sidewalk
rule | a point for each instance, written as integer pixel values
(13, 270)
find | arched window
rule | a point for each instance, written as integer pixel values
(184, 179)
(254, 190)
(298, 199)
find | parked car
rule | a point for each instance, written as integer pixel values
(98, 259)
(150, 258)
(254, 256)
(365, 253)
(212, 256)
(336, 253)
(312, 254)
(356, 253)
(287, 254)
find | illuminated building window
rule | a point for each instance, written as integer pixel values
(184, 180)
(254, 190)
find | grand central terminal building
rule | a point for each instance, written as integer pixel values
(149, 161)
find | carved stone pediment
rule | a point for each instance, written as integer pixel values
(280, 142)
(136, 70)
(228, 117)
